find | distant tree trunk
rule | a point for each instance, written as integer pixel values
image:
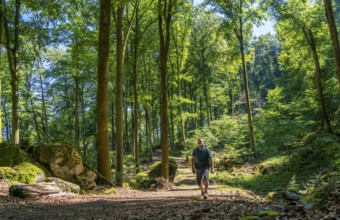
(164, 12)
(83, 132)
(239, 34)
(334, 35)
(113, 133)
(312, 43)
(31, 105)
(119, 111)
(7, 126)
(172, 126)
(1, 70)
(76, 90)
(13, 61)
(44, 111)
(104, 167)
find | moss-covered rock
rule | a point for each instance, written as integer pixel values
(29, 173)
(87, 179)
(63, 160)
(11, 155)
(24, 173)
(157, 168)
(140, 181)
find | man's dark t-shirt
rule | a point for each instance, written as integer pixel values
(202, 157)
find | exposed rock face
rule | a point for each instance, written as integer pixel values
(64, 160)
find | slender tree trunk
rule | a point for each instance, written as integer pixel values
(104, 167)
(113, 133)
(239, 34)
(334, 35)
(83, 131)
(135, 91)
(13, 61)
(7, 126)
(30, 105)
(44, 111)
(1, 70)
(312, 43)
(119, 111)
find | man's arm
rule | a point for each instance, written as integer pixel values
(193, 164)
(211, 162)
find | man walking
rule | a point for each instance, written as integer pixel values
(201, 162)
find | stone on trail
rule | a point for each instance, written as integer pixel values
(33, 190)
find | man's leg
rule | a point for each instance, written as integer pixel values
(206, 181)
(199, 176)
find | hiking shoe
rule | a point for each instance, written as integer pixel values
(205, 195)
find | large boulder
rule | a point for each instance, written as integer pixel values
(63, 160)
(24, 173)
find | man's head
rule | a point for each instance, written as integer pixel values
(200, 142)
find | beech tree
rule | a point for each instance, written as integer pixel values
(104, 167)
(164, 24)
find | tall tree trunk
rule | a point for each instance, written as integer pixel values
(312, 43)
(334, 35)
(239, 34)
(164, 12)
(104, 167)
(135, 91)
(13, 61)
(119, 111)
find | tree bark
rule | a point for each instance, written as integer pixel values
(334, 36)
(119, 111)
(102, 90)
(164, 12)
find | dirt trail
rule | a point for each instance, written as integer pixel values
(182, 202)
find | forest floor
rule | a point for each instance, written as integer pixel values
(183, 201)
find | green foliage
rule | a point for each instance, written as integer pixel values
(320, 188)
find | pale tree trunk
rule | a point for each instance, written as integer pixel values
(164, 12)
(311, 41)
(119, 106)
(102, 90)
(334, 35)
(13, 61)
(239, 34)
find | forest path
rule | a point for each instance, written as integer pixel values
(182, 202)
